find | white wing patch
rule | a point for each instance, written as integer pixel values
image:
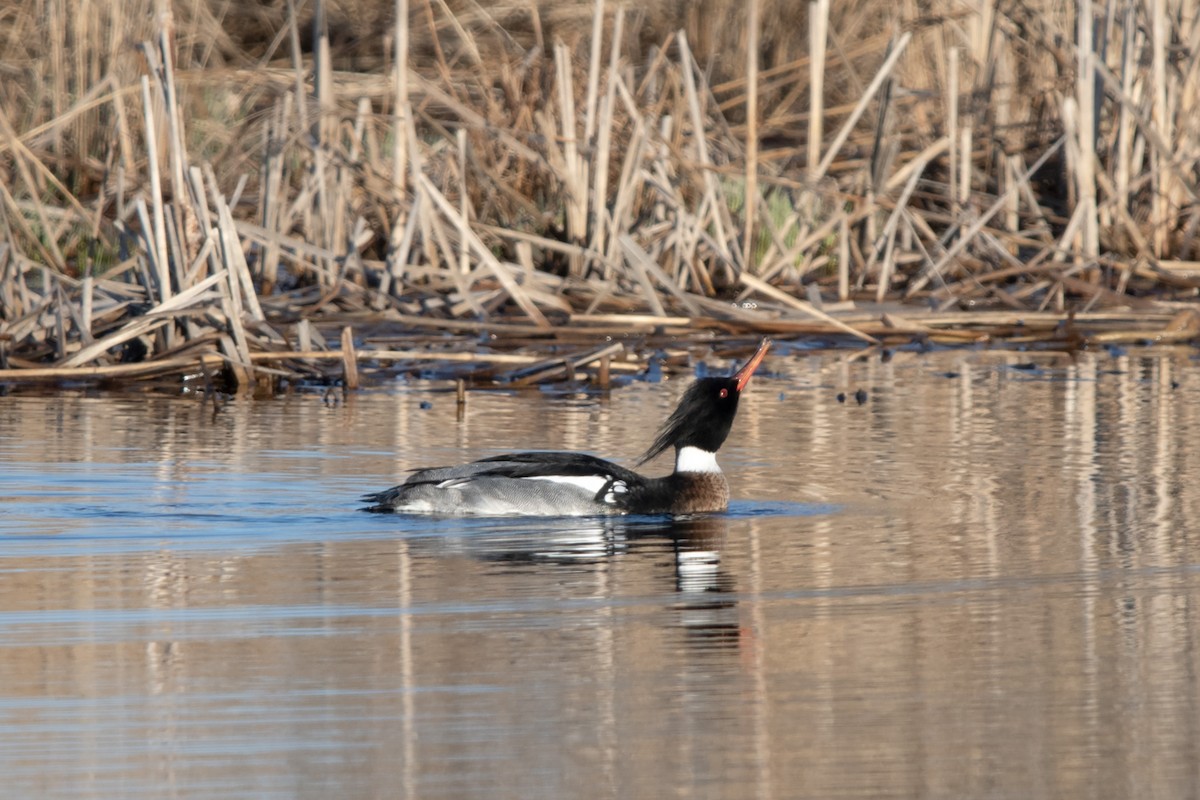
(616, 488)
(590, 483)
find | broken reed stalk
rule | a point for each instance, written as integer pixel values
(1086, 98)
(159, 255)
(400, 108)
(818, 35)
(751, 204)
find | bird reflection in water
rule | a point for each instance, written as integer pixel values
(705, 608)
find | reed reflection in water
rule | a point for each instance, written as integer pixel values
(979, 583)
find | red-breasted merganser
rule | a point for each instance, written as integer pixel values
(576, 484)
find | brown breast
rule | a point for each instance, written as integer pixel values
(697, 492)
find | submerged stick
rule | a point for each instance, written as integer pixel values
(550, 368)
(349, 358)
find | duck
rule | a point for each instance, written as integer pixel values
(558, 483)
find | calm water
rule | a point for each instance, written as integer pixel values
(983, 582)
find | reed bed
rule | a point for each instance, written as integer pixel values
(533, 192)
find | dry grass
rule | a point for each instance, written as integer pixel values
(192, 181)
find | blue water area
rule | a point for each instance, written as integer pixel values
(977, 583)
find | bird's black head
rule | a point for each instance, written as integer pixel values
(705, 413)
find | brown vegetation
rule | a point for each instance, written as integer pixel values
(230, 185)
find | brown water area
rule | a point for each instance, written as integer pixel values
(981, 581)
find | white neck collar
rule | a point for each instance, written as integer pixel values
(693, 459)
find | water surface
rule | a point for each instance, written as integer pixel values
(978, 583)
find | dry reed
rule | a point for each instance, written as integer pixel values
(186, 189)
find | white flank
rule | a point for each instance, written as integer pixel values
(693, 459)
(591, 483)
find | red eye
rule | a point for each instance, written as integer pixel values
(724, 393)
